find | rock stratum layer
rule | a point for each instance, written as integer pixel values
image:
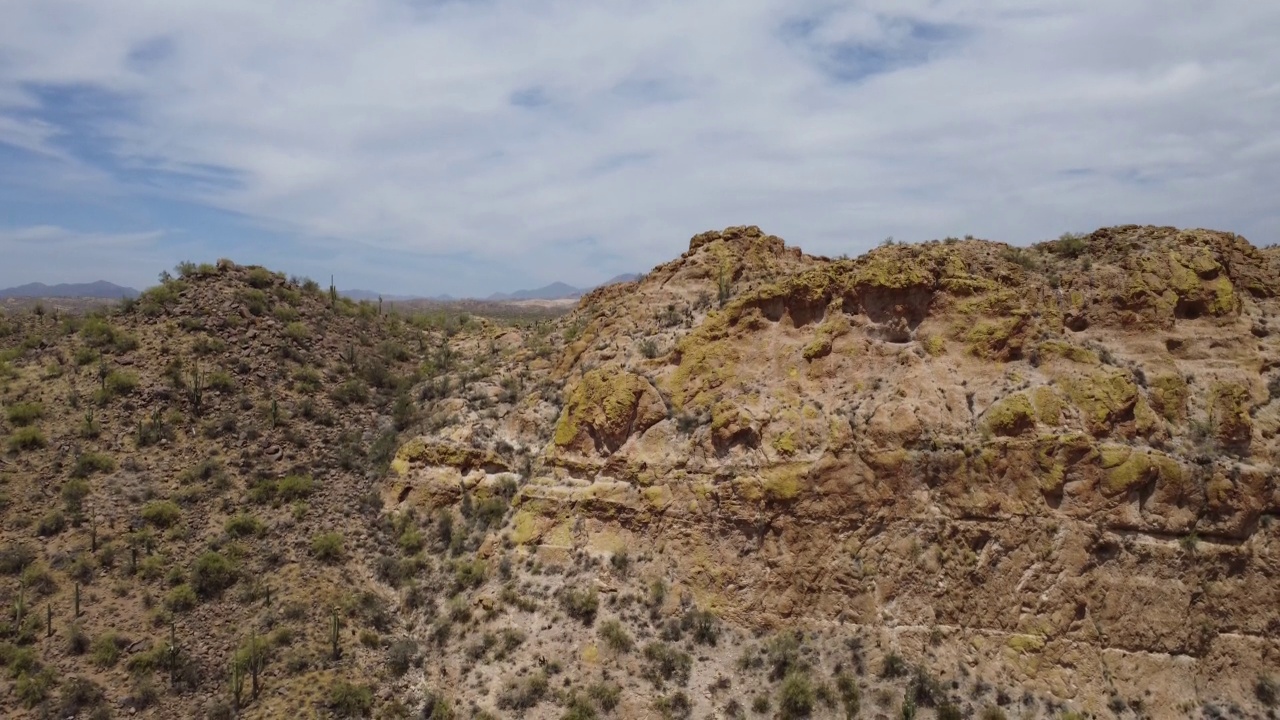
(1053, 467)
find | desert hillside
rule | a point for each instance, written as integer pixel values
(944, 480)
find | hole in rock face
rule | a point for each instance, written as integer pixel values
(1189, 309)
(1077, 323)
(404, 494)
(909, 306)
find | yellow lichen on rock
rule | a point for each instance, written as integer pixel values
(1013, 415)
(1103, 398)
(605, 408)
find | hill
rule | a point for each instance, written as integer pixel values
(954, 479)
(100, 289)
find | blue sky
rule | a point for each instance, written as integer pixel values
(442, 146)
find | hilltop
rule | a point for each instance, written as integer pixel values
(955, 479)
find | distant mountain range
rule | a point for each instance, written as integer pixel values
(554, 291)
(558, 290)
(100, 289)
(110, 291)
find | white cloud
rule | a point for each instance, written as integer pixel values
(393, 122)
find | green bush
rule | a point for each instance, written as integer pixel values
(106, 650)
(243, 525)
(181, 598)
(220, 381)
(79, 697)
(523, 693)
(297, 332)
(350, 392)
(795, 699)
(260, 277)
(15, 557)
(606, 695)
(580, 604)
(850, 698)
(33, 689)
(73, 493)
(92, 462)
(27, 438)
(666, 664)
(615, 636)
(161, 513)
(349, 700)
(116, 384)
(38, 578)
(675, 706)
(51, 523)
(23, 414)
(295, 487)
(327, 547)
(212, 573)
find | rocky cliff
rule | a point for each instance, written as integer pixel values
(1051, 468)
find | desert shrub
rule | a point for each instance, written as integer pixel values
(23, 414)
(795, 698)
(77, 640)
(606, 695)
(703, 625)
(580, 604)
(90, 463)
(295, 487)
(212, 573)
(523, 693)
(468, 574)
(161, 513)
(73, 493)
(1069, 245)
(27, 438)
(33, 688)
(850, 698)
(15, 557)
(349, 700)
(38, 578)
(1267, 690)
(327, 547)
(285, 313)
(220, 381)
(351, 392)
(947, 711)
(992, 712)
(615, 636)
(783, 652)
(411, 539)
(401, 656)
(260, 277)
(119, 382)
(105, 650)
(894, 666)
(209, 470)
(181, 598)
(243, 525)
(665, 663)
(297, 332)
(675, 706)
(51, 523)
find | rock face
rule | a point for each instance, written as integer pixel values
(1052, 466)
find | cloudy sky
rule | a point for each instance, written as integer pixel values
(467, 146)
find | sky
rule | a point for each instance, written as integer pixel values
(471, 146)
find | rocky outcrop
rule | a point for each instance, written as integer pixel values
(1061, 459)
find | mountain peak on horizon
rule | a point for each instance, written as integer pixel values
(96, 289)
